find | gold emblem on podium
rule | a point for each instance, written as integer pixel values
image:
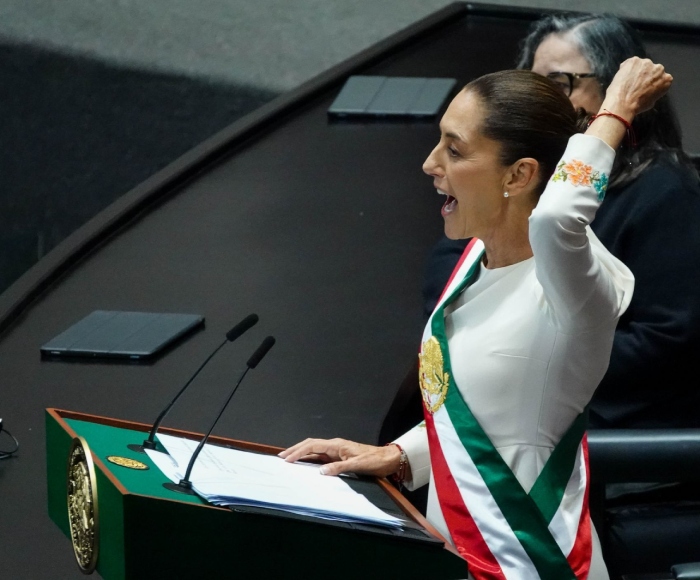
(434, 381)
(126, 462)
(82, 505)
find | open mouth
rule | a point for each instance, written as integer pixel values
(450, 203)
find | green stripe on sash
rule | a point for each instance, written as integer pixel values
(527, 515)
(548, 490)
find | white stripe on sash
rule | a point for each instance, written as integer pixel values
(475, 251)
(565, 523)
(497, 534)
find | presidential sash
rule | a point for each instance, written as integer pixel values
(502, 531)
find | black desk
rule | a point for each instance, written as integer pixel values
(320, 228)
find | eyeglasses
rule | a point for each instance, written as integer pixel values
(565, 80)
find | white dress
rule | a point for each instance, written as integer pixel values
(530, 342)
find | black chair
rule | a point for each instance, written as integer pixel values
(686, 571)
(645, 501)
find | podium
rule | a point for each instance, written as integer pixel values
(123, 523)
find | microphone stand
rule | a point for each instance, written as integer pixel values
(185, 485)
(150, 443)
(231, 335)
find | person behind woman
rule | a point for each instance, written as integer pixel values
(522, 335)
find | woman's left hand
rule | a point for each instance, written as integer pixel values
(636, 87)
(343, 456)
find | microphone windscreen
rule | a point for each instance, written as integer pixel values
(241, 327)
(261, 352)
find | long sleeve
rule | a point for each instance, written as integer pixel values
(584, 286)
(415, 444)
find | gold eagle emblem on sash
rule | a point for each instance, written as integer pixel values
(434, 381)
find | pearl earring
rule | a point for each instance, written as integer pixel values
(505, 194)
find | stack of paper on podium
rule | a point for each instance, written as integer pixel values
(230, 477)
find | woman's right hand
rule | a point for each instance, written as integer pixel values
(343, 456)
(636, 87)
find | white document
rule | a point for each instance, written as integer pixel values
(225, 476)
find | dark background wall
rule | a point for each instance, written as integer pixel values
(77, 133)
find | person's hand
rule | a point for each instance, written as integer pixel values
(636, 87)
(343, 456)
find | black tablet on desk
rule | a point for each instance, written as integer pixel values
(118, 334)
(382, 96)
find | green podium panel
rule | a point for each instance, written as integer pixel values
(144, 531)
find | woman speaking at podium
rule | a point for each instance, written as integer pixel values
(522, 334)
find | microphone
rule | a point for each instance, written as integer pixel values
(185, 485)
(245, 324)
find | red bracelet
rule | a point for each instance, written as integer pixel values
(625, 122)
(400, 476)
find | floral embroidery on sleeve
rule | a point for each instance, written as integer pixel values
(578, 173)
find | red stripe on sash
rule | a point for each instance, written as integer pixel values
(457, 267)
(465, 534)
(580, 556)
